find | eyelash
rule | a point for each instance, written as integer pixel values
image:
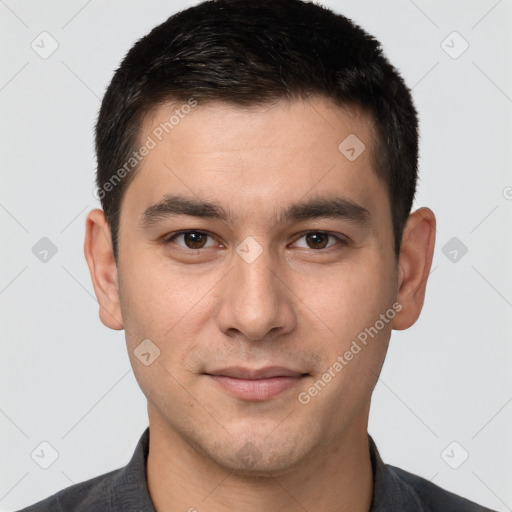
(171, 237)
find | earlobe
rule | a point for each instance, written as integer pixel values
(102, 267)
(414, 266)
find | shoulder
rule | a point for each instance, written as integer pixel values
(432, 497)
(118, 490)
(91, 495)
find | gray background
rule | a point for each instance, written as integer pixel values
(66, 379)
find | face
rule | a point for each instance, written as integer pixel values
(256, 254)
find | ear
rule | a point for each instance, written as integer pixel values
(102, 266)
(414, 264)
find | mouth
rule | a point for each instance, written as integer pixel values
(256, 385)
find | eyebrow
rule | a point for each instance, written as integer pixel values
(320, 207)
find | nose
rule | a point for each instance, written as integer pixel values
(256, 302)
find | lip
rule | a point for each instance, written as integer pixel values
(256, 384)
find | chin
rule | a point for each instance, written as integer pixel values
(260, 457)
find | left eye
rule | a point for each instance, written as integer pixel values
(318, 240)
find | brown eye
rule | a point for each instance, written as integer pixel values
(195, 240)
(191, 239)
(317, 240)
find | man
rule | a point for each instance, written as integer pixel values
(257, 165)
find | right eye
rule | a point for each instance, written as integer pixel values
(192, 239)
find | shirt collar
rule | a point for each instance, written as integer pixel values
(390, 492)
(130, 486)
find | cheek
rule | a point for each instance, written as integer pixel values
(160, 300)
(349, 298)
(145, 298)
(352, 360)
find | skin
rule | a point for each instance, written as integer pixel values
(295, 305)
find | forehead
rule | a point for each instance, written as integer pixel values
(257, 158)
(305, 126)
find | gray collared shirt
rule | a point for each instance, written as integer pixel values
(126, 490)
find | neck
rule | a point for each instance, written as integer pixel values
(336, 478)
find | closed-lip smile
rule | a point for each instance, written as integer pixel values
(256, 384)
